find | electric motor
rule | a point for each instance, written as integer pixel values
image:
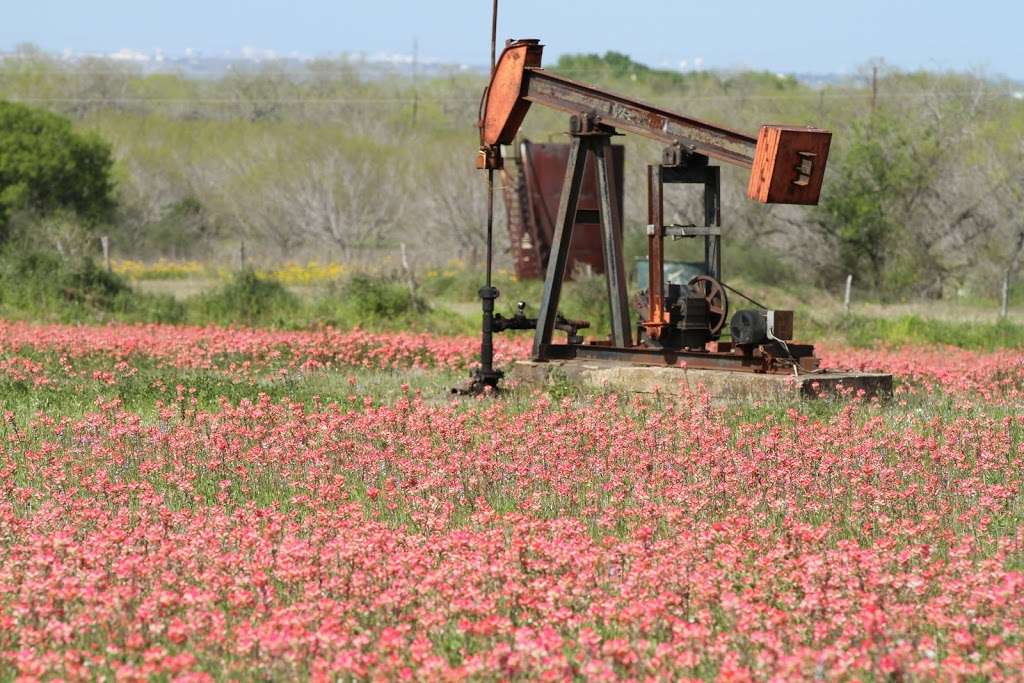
(749, 327)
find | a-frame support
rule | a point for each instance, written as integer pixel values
(588, 139)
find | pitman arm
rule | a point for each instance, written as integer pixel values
(787, 163)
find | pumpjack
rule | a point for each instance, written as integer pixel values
(679, 321)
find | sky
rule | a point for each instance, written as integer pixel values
(827, 36)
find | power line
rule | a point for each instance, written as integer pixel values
(475, 100)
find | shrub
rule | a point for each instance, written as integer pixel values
(41, 285)
(378, 302)
(250, 299)
(376, 296)
(45, 166)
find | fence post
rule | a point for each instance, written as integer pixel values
(846, 297)
(241, 255)
(409, 277)
(1004, 307)
(105, 243)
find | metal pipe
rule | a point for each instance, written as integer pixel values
(490, 172)
(488, 376)
(494, 34)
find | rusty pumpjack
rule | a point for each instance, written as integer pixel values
(680, 322)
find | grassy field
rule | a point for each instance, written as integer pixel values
(200, 503)
(448, 304)
(216, 476)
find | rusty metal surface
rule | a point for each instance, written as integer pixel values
(758, 360)
(655, 317)
(789, 165)
(504, 108)
(593, 144)
(532, 189)
(717, 300)
(563, 94)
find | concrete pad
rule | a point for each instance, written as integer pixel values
(677, 381)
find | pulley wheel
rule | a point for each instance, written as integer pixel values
(718, 302)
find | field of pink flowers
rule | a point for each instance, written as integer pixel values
(295, 535)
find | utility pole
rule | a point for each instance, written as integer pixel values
(874, 88)
(415, 79)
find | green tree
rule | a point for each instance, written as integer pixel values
(46, 167)
(870, 200)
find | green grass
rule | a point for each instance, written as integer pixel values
(36, 285)
(864, 331)
(152, 382)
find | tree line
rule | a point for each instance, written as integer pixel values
(923, 196)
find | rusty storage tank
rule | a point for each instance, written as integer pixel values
(532, 186)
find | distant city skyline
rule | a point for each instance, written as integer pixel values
(825, 37)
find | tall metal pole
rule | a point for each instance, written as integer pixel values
(487, 376)
(490, 171)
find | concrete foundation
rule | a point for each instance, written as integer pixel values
(677, 381)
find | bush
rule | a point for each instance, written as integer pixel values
(45, 166)
(756, 264)
(42, 286)
(249, 299)
(377, 302)
(378, 297)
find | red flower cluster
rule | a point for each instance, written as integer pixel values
(555, 541)
(217, 348)
(948, 369)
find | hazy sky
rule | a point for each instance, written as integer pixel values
(823, 36)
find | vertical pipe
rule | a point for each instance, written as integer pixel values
(487, 375)
(490, 228)
(655, 248)
(494, 34)
(490, 172)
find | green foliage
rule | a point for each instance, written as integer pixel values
(375, 296)
(377, 301)
(182, 230)
(41, 286)
(45, 166)
(754, 263)
(863, 331)
(586, 298)
(867, 201)
(248, 299)
(615, 65)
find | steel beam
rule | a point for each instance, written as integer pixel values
(756, 361)
(622, 113)
(611, 240)
(560, 247)
(713, 219)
